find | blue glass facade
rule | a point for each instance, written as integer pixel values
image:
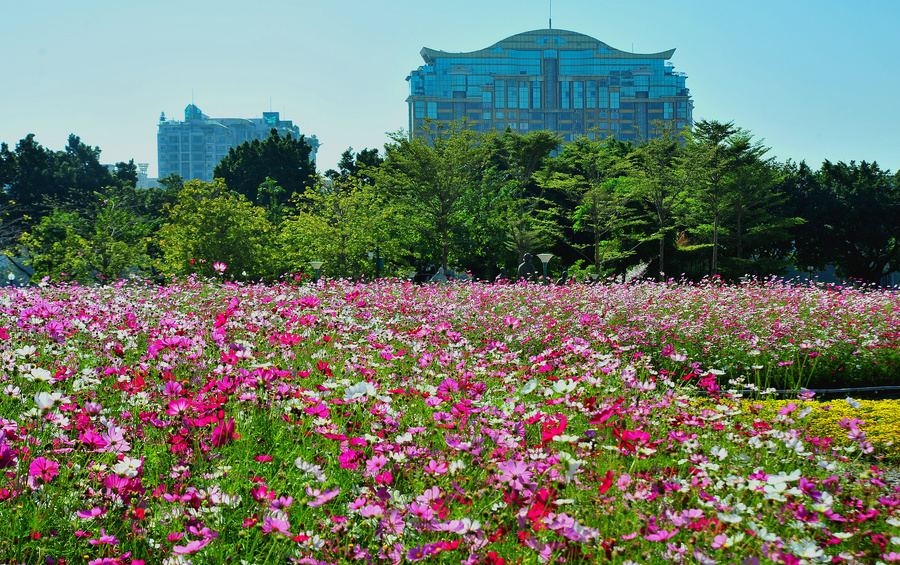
(551, 79)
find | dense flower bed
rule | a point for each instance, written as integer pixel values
(217, 423)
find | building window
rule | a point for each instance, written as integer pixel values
(523, 95)
(511, 96)
(590, 87)
(536, 94)
(668, 110)
(500, 89)
(578, 94)
(432, 109)
(564, 94)
(498, 115)
(419, 109)
(613, 99)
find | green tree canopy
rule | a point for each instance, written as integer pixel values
(853, 213)
(283, 159)
(434, 176)
(210, 224)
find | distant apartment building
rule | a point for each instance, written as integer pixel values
(551, 79)
(194, 147)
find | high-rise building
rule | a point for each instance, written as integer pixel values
(554, 80)
(194, 147)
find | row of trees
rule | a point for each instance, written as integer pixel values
(707, 201)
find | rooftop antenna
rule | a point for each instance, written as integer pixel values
(550, 22)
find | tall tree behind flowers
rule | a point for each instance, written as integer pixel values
(340, 222)
(208, 225)
(433, 176)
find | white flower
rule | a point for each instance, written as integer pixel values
(529, 386)
(127, 467)
(44, 401)
(40, 374)
(456, 465)
(719, 452)
(359, 390)
(853, 403)
(806, 548)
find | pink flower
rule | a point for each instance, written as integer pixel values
(371, 510)
(515, 473)
(104, 539)
(422, 511)
(661, 535)
(43, 469)
(375, 464)
(191, 547)
(437, 468)
(178, 407)
(274, 525)
(321, 498)
(220, 267)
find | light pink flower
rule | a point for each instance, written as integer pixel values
(661, 535)
(191, 547)
(274, 525)
(321, 497)
(104, 539)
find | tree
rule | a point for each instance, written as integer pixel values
(210, 224)
(855, 221)
(339, 223)
(356, 165)
(45, 180)
(664, 172)
(66, 246)
(593, 174)
(718, 148)
(529, 218)
(283, 159)
(433, 176)
(759, 219)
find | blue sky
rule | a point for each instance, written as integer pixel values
(814, 79)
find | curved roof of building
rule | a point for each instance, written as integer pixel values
(547, 39)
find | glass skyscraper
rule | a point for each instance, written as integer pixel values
(554, 80)
(194, 147)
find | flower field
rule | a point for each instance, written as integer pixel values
(209, 422)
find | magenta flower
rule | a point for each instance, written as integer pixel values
(92, 513)
(92, 440)
(43, 469)
(224, 433)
